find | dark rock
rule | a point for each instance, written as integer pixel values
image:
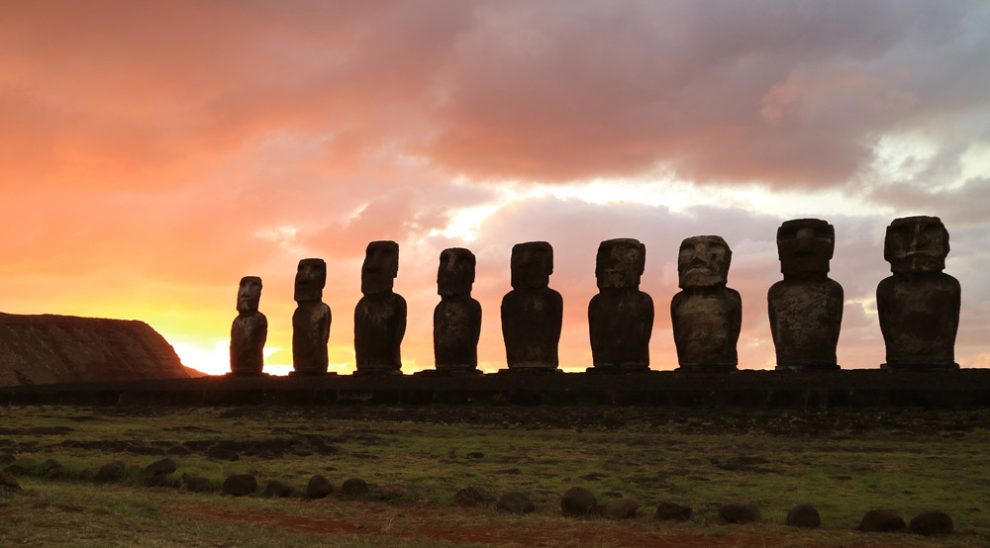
(671, 511)
(278, 488)
(221, 453)
(804, 515)
(806, 306)
(473, 496)
(380, 315)
(706, 315)
(578, 502)
(532, 312)
(156, 474)
(16, 470)
(318, 487)
(931, 523)
(475, 455)
(881, 521)
(111, 471)
(311, 319)
(49, 349)
(249, 331)
(7, 458)
(240, 485)
(918, 305)
(354, 487)
(8, 482)
(620, 316)
(51, 469)
(457, 318)
(739, 513)
(620, 508)
(197, 484)
(161, 467)
(515, 502)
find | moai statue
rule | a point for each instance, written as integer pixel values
(380, 316)
(249, 331)
(532, 312)
(311, 320)
(706, 314)
(457, 318)
(620, 316)
(919, 304)
(806, 306)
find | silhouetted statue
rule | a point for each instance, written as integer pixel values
(380, 316)
(532, 312)
(706, 314)
(311, 320)
(249, 330)
(806, 306)
(620, 316)
(457, 318)
(919, 304)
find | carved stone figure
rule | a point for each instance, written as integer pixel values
(380, 315)
(457, 318)
(919, 304)
(249, 330)
(806, 306)
(532, 312)
(620, 316)
(311, 320)
(706, 314)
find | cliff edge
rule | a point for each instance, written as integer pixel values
(50, 349)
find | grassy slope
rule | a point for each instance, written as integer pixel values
(906, 461)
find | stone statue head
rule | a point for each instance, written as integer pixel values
(620, 263)
(249, 294)
(311, 277)
(381, 266)
(532, 265)
(703, 261)
(805, 246)
(456, 273)
(916, 244)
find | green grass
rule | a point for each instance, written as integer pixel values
(844, 463)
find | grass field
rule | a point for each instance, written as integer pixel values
(844, 462)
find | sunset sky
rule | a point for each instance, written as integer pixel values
(152, 153)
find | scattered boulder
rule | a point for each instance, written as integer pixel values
(931, 523)
(475, 455)
(240, 485)
(279, 489)
(578, 502)
(197, 484)
(354, 488)
(177, 450)
(515, 502)
(52, 469)
(620, 508)
(804, 515)
(739, 513)
(109, 472)
(671, 511)
(222, 453)
(162, 467)
(7, 458)
(16, 470)
(318, 487)
(9, 482)
(881, 521)
(156, 474)
(473, 496)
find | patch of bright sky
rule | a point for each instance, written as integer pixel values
(902, 156)
(975, 162)
(677, 196)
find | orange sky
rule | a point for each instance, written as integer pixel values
(153, 153)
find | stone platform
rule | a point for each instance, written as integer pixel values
(965, 388)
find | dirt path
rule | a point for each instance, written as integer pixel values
(463, 526)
